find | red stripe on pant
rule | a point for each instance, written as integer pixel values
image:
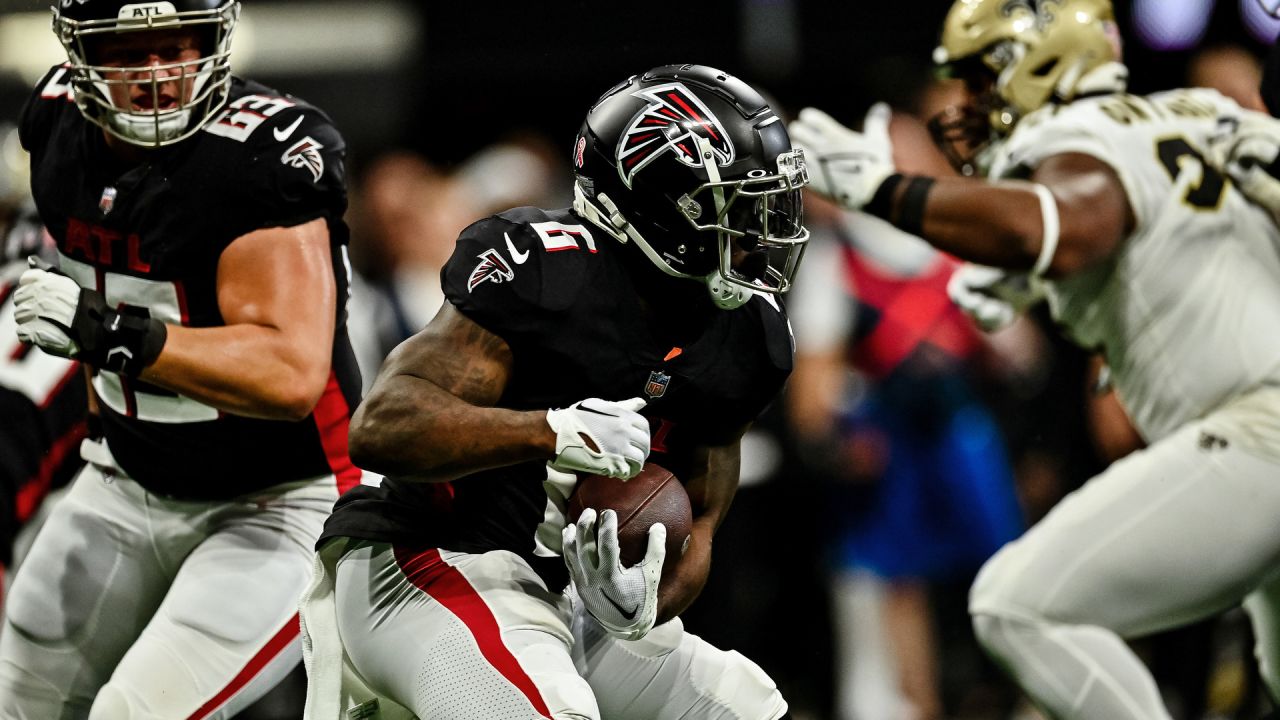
(432, 575)
(274, 647)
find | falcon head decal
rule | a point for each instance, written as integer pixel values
(305, 154)
(668, 124)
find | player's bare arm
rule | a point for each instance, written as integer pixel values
(430, 412)
(1002, 224)
(710, 492)
(269, 360)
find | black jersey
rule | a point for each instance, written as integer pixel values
(558, 291)
(152, 235)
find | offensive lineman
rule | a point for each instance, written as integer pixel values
(1146, 254)
(443, 590)
(198, 220)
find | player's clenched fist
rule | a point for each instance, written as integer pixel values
(601, 437)
(63, 319)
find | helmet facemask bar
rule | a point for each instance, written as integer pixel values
(761, 217)
(203, 82)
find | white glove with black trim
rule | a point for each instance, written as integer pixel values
(63, 319)
(44, 308)
(992, 297)
(1248, 156)
(850, 165)
(601, 437)
(623, 600)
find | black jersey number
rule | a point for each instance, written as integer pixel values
(1205, 195)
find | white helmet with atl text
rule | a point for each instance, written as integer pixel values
(124, 56)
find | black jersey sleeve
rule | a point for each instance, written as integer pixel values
(36, 121)
(502, 275)
(294, 171)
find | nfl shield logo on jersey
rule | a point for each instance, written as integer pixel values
(108, 200)
(657, 384)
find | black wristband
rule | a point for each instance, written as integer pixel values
(910, 217)
(123, 341)
(881, 203)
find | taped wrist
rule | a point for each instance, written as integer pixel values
(123, 341)
(900, 199)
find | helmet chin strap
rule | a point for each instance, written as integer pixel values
(727, 295)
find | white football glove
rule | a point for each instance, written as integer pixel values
(850, 165)
(601, 437)
(992, 297)
(44, 306)
(1244, 156)
(623, 600)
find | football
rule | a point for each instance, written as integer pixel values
(654, 495)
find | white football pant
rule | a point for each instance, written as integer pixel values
(1182, 530)
(452, 636)
(134, 607)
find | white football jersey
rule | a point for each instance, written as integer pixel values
(1187, 311)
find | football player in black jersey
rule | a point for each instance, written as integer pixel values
(646, 317)
(201, 272)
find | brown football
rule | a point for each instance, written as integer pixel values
(652, 496)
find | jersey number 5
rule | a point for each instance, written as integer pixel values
(1205, 195)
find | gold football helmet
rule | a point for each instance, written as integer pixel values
(1016, 56)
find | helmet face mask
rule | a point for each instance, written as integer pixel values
(693, 166)
(149, 74)
(758, 223)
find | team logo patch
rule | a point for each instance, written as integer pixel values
(305, 154)
(493, 267)
(668, 124)
(657, 385)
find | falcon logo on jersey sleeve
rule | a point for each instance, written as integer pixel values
(674, 115)
(493, 267)
(305, 154)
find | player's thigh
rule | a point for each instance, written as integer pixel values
(88, 586)
(671, 674)
(227, 631)
(454, 635)
(1165, 536)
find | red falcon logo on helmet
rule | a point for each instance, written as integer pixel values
(669, 123)
(492, 267)
(305, 154)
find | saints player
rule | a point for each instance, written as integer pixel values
(642, 320)
(1148, 255)
(201, 274)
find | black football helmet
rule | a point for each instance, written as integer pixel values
(78, 23)
(693, 166)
